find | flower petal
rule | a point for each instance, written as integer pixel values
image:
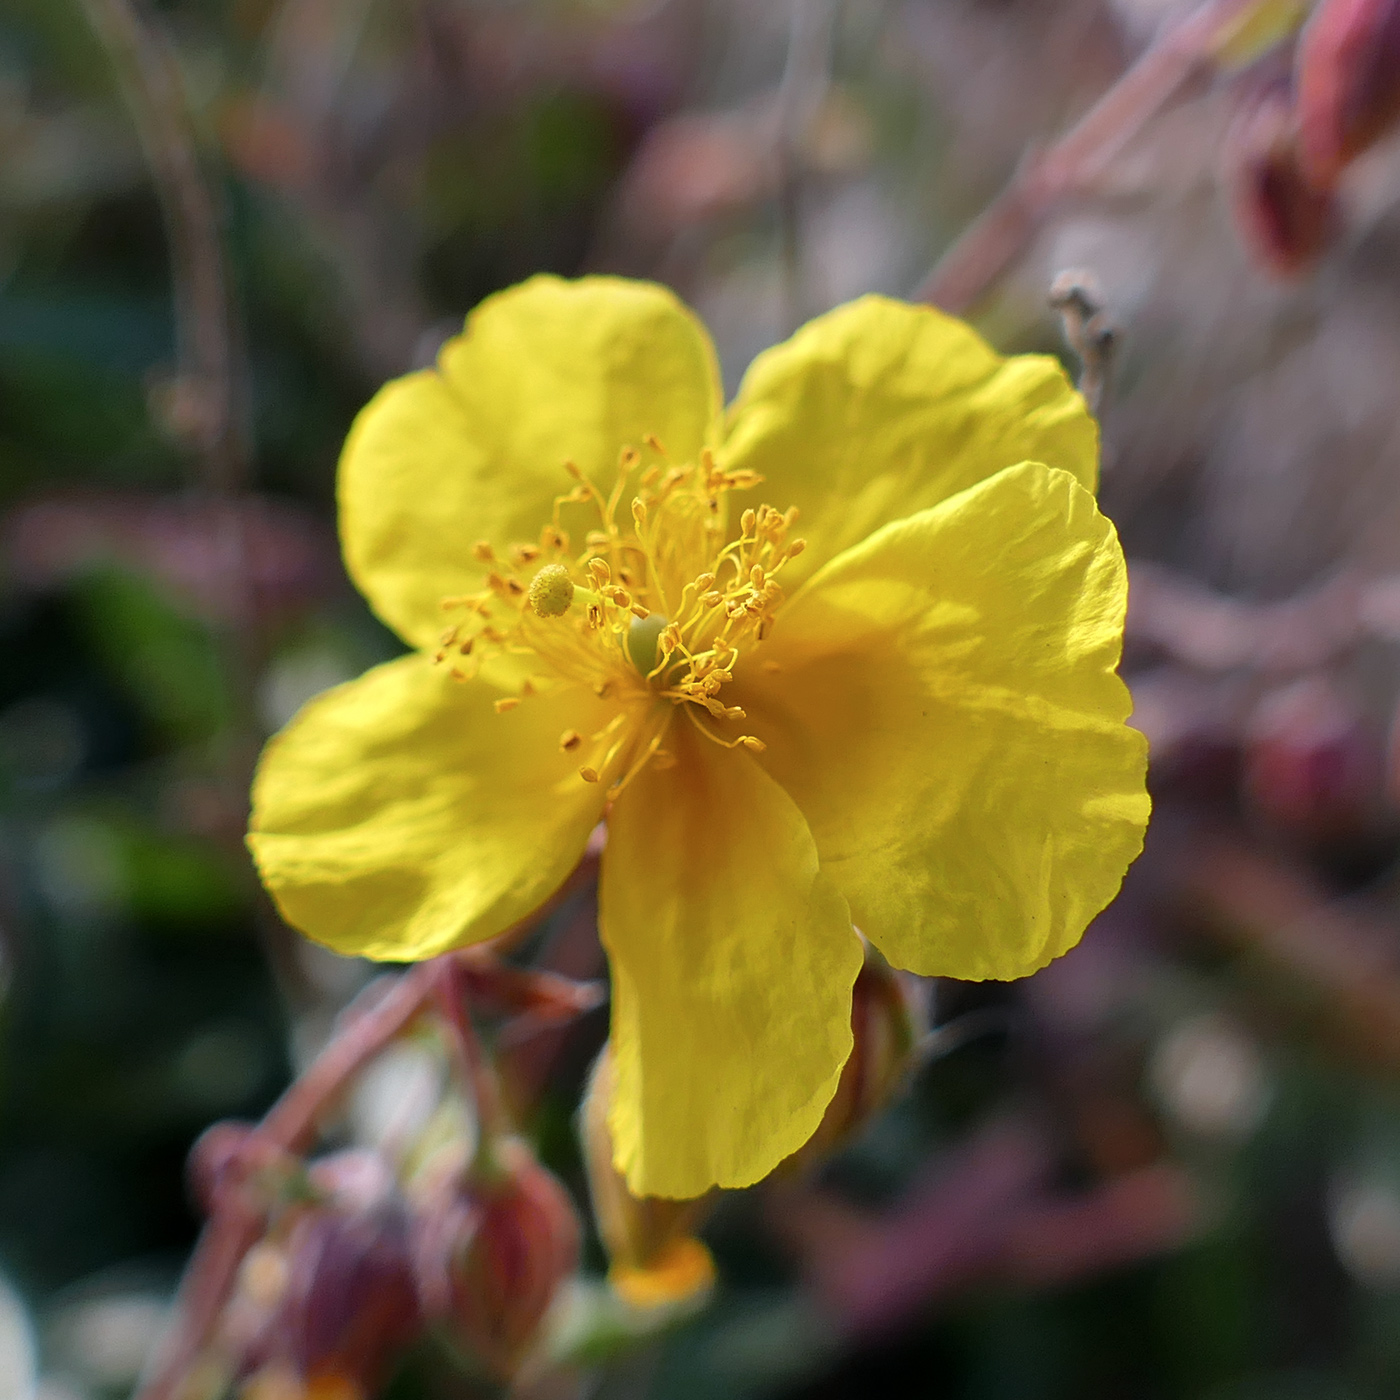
(880, 408)
(948, 717)
(399, 815)
(732, 959)
(546, 372)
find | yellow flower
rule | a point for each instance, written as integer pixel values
(845, 652)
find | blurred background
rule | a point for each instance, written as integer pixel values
(1169, 1165)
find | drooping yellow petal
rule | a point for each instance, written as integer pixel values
(948, 717)
(474, 449)
(880, 409)
(399, 815)
(732, 962)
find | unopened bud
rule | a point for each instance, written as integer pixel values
(1284, 220)
(491, 1252)
(1311, 768)
(1348, 68)
(349, 1300)
(884, 1028)
(654, 1256)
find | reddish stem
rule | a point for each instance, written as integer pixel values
(451, 986)
(1002, 232)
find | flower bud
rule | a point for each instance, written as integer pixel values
(1284, 220)
(492, 1246)
(654, 1256)
(347, 1298)
(1348, 68)
(884, 1027)
(1311, 767)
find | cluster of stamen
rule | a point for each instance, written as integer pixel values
(654, 604)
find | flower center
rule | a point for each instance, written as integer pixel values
(654, 606)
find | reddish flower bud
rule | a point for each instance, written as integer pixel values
(884, 1026)
(1348, 69)
(1310, 766)
(491, 1249)
(1284, 220)
(655, 1258)
(347, 1299)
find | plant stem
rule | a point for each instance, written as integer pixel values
(1008, 225)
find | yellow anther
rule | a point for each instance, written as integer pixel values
(589, 775)
(600, 571)
(552, 591)
(753, 743)
(573, 470)
(508, 702)
(712, 599)
(639, 611)
(654, 442)
(796, 548)
(704, 582)
(569, 740)
(448, 637)
(466, 647)
(756, 575)
(747, 521)
(552, 537)
(524, 553)
(629, 458)
(483, 552)
(457, 675)
(620, 596)
(639, 510)
(597, 539)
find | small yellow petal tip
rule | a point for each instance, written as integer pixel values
(683, 1271)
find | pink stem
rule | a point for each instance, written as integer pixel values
(1002, 232)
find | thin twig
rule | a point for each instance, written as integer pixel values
(806, 76)
(1004, 230)
(207, 400)
(203, 404)
(1075, 295)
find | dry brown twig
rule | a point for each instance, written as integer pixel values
(203, 404)
(1075, 295)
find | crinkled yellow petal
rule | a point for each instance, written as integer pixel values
(732, 964)
(399, 815)
(881, 408)
(546, 372)
(948, 717)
